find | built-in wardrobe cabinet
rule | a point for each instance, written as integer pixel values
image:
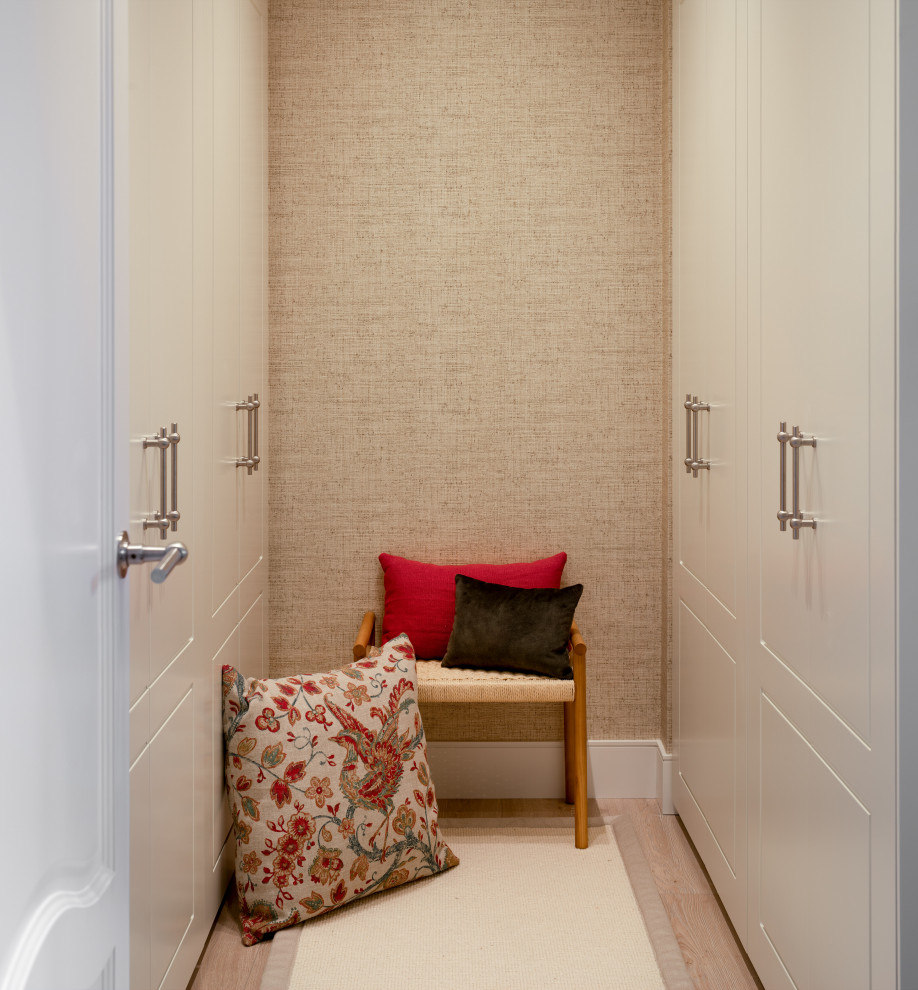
(198, 261)
(709, 440)
(784, 432)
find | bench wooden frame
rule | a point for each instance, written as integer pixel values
(463, 685)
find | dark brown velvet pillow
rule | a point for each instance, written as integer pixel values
(501, 628)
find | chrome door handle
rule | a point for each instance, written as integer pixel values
(783, 514)
(168, 557)
(797, 520)
(688, 434)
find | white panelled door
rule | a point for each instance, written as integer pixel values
(170, 705)
(198, 205)
(709, 361)
(240, 211)
(64, 732)
(822, 337)
(235, 589)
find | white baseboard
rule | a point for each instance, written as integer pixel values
(617, 769)
(665, 780)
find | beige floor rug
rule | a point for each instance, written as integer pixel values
(523, 910)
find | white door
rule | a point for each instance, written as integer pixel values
(64, 422)
(709, 364)
(822, 336)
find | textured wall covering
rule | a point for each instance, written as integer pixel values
(469, 347)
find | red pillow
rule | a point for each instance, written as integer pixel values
(421, 598)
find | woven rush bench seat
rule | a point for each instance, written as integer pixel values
(439, 684)
(442, 684)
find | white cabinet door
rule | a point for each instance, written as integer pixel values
(822, 331)
(162, 328)
(240, 264)
(229, 425)
(253, 279)
(709, 360)
(246, 649)
(234, 222)
(166, 701)
(198, 268)
(64, 412)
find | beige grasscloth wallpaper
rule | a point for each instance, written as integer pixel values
(469, 354)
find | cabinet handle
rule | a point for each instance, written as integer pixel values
(692, 461)
(257, 406)
(697, 463)
(174, 515)
(797, 521)
(250, 416)
(248, 461)
(251, 459)
(160, 520)
(783, 514)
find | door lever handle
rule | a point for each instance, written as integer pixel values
(167, 558)
(175, 554)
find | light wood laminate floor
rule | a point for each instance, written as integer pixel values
(712, 952)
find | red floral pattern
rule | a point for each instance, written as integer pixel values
(330, 801)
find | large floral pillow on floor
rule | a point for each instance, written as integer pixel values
(329, 788)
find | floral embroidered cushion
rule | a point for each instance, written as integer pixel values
(421, 598)
(329, 788)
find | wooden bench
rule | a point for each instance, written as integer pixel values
(441, 684)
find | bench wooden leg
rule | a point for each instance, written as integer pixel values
(579, 734)
(570, 772)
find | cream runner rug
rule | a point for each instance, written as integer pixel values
(523, 910)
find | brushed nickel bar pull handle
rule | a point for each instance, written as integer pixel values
(697, 463)
(159, 520)
(257, 405)
(688, 434)
(251, 447)
(163, 448)
(797, 521)
(783, 514)
(174, 515)
(248, 461)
